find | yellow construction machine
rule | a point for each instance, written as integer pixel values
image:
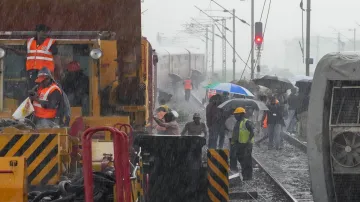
(94, 159)
(105, 39)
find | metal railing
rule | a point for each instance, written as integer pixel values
(121, 163)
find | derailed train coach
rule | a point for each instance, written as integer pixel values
(176, 64)
(334, 128)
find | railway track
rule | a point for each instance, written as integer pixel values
(287, 195)
(288, 168)
(286, 171)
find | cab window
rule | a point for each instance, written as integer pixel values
(73, 75)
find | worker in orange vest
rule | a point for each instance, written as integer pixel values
(46, 100)
(188, 86)
(40, 52)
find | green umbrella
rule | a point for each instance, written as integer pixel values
(212, 85)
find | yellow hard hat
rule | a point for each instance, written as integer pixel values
(239, 110)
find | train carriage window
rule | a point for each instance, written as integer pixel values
(345, 106)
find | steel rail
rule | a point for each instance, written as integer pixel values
(289, 196)
(294, 142)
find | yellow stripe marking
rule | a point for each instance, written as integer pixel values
(17, 146)
(218, 173)
(212, 196)
(4, 140)
(219, 159)
(44, 171)
(218, 187)
(54, 179)
(34, 146)
(41, 156)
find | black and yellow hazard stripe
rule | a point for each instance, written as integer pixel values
(41, 152)
(218, 175)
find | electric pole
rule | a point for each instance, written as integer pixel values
(339, 42)
(224, 49)
(206, 49)
(252, 38)
(318, 48)
(212, 49)
(258, 63)
(354, 39)
(234, 49)
(308, 10)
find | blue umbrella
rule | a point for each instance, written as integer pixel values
(231, 88)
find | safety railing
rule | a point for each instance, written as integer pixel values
(128, 129)
(121, 163)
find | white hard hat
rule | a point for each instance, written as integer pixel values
(175, 113)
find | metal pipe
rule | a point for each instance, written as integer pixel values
(308, 10)
(127, 128)
(55, 33)
(121, 163)
(252, 37)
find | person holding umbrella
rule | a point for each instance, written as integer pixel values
(275, 121)
(242, 143)
(215, 123)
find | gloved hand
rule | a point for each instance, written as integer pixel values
(33, 96)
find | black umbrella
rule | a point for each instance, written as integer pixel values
(303, 83)
(175, 77)
(304, 86)
(196, 72)
(245, 103)
(274, 82)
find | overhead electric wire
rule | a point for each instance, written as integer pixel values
(342, 34)
(262, 12)
(226, 10)
(224, 37)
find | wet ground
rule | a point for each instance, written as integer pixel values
(263, 185)
(289, 166)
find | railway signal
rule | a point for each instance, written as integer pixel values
(258, 33)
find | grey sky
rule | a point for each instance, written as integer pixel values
(284, 23)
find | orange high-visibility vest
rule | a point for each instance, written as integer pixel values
(43, 94)
(265, 124)
(39, 56)
(187, 84)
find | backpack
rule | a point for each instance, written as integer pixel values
(64, 112)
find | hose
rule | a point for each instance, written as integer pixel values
(33, 194)
(70, 198)
(73, 190)
(39, 197)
